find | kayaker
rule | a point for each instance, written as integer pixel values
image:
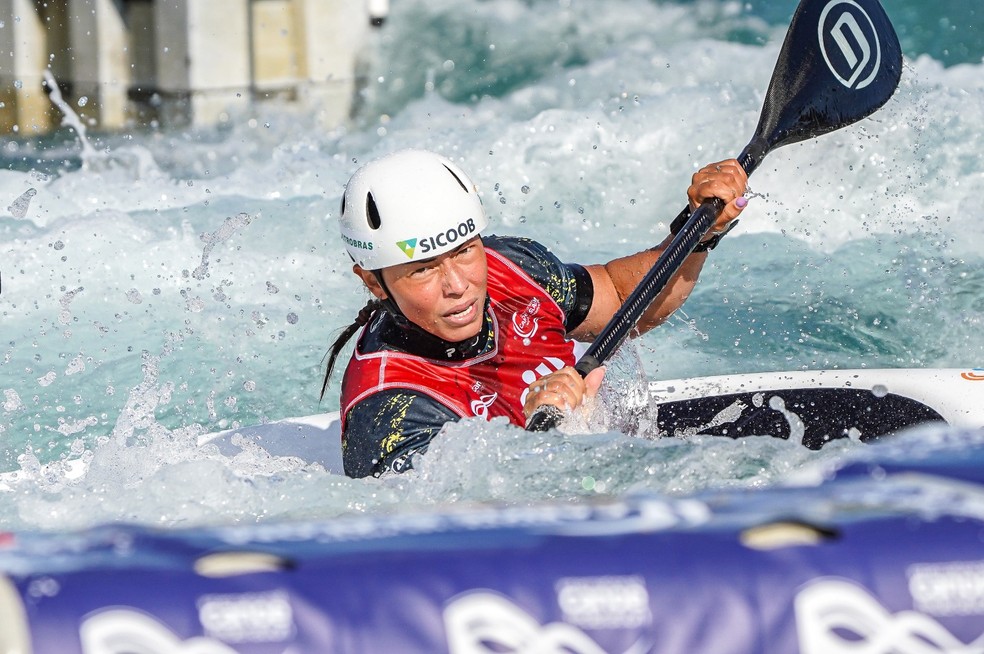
(467, 325)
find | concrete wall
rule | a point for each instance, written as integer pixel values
(100, 58)
(23, 55)
(182, 62)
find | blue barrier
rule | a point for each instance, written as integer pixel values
(882, 552)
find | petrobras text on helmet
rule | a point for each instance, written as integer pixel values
(444, 239)
(362, 245)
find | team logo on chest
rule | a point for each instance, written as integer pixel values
(525, 323)
(480, 407)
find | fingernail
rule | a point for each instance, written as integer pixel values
(741, 202)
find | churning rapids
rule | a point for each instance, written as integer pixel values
(158, 285)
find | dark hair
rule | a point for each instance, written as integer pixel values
(365, 315)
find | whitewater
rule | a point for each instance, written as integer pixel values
(157, 285)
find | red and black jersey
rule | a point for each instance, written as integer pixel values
(529, 337)
(398, 391)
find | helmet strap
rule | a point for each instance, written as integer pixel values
(389, 303)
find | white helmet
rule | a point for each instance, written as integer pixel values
(407, 206)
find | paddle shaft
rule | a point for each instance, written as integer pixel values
(666, 266)
(652, 284)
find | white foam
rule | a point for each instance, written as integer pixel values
(106, 263)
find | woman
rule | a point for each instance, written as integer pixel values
(463, 325)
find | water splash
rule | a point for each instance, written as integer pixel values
(18, 208)
(65, 315)
(791, 299)
(231, 225)
(139, 412)
(70, 118)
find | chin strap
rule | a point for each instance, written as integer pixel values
(389, 303)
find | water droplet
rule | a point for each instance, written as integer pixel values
(878, 390)
(249, 385)
(525, 189)
(292, 318)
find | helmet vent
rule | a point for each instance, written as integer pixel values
(372, 213)
(457, 179)
(341, 212)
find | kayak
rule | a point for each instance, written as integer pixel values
(812, 407)
(819, 406)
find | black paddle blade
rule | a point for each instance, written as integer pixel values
(840, 61)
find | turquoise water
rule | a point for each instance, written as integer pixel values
(176, 283)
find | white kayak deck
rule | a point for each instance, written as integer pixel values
(956, 394)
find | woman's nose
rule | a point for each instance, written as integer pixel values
(452, 279)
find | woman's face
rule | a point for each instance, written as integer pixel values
(444, 295)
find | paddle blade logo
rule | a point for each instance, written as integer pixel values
(408, 247)
(849, 43)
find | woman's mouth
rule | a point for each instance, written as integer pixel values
(462, 315)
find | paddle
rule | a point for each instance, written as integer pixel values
(839, 63)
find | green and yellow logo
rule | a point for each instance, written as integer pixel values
(408, 247)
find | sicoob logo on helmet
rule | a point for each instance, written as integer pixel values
(849, 43)
(428, 244)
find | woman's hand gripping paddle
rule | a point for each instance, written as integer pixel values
(839, 63)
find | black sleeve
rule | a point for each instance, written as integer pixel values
(569, 284)
(385, 430)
